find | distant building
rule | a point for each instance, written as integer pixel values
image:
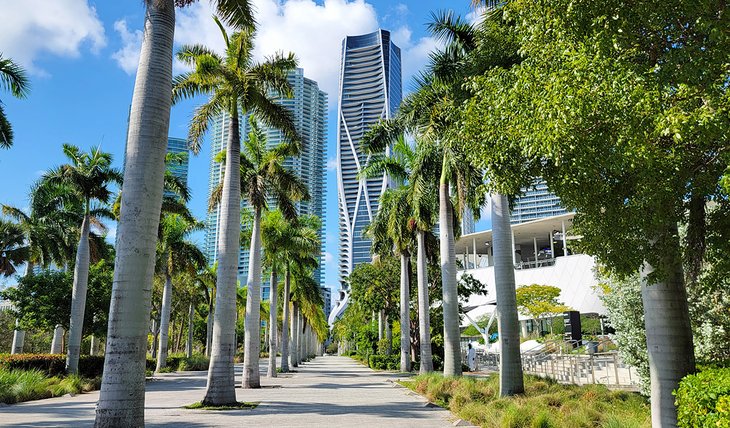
(308, 107)
(536, 202)
(179, 168)
(327, 297)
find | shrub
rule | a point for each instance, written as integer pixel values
(197, 362)
(384, 362)
(703, 399)
(52, 364)
(331, 348)
(24, 385)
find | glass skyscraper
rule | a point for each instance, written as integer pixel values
(308, 107)
(370, 90)
(179, 167)
(535, 202)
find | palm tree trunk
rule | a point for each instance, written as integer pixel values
(56, 347)
(381, 325)
(271, 371)
(295, 334)
(668, 331)
(221, 388)
(164, 321)
(78, 299)
(510, 369)
(424, 306)
(18, 339)
(252, 340)
(209, 328)
(285, 323)
(121, 401)
(94, 345)
(452, 351)
(189, 342)
(388, 336)
(405, 314)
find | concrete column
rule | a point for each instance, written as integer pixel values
(18, 339)
(57, 343)
(552, 247)
(474, 243)
(534, 243)
(565, 242)
(523, 328)
(514, 250)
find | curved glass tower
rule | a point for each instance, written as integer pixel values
(370, 90)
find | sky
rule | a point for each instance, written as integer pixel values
(81, 57)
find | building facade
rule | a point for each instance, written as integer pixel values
(536, 202)
(308, 108)
(327, 298)
(370, 90)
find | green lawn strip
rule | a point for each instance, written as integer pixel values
(240, 405)
(545, 403)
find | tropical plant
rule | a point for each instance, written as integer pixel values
(538, 301)
(13, 79)
(236, 85)
(13, 248)
(176, 255)
(87, 179)
(121, 401)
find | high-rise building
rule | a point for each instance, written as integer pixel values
(536, 202)
(308, 108)
(370, 90)
(327, 298)
(178, 166)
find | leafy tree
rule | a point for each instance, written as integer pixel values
(13, 248)
(238, 84)
(13, 79)
(539, 301)
(628, 131)
(121, 401)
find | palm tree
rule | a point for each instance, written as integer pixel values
(263, 178)
(206, 281)
(236, 85)
(87, 178)
(305, 294)
(177, 255)
(291, 245)
(13, 247)
(13, 79)
(121, 401)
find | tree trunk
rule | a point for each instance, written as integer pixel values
(155, 338)
(452, 350)
(94, 345)
(510, 369)
(252, 340)
(668, 331)
(209, 328)
(18, 339)
(271, 370)
(381, 325)
(164, 321)
(121, 401)
(285, 323)
(405, 314)
(295, 335)
(189, 342)
(221, 388)
(78, 299)
(424, 316)
(56, 344)
(388, 336)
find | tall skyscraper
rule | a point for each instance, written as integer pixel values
(179, 166)
(308, 107)
(370, 90)
(536, 202)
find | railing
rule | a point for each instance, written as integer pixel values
(604, 368)
(532, 264)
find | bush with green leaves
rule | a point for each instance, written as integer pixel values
(384, 362)
(24, 385)
(703, 399)
(52, 364)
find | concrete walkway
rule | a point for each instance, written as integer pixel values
(328, 391)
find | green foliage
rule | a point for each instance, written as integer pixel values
(545, 403)
(538, 301)
(703, 399)
(43, 300)
(384, 362)
(331, 348)
(23, 385)
(52, 364)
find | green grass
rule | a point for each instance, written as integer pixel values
(25, 385)
(545, 403)
(240, 405)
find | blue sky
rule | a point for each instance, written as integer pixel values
(81, 57)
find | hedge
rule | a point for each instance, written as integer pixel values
(703, 399)
(52, 364)
(384, 362)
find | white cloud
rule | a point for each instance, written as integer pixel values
(128, 55)
(33, 28)
(328, 257)
(312, 30)
(332, 164)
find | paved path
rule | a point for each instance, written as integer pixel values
(328, 391)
